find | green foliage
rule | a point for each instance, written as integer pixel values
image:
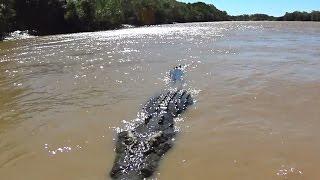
(141, 12)
(113, 13)
(89, 15)
(71, 15)
(86, 14)
(108, 13)
(315, 16)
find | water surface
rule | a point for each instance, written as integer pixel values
(256, 85)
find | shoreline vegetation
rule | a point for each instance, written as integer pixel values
(46, 17)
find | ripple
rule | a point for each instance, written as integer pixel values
(288, 172)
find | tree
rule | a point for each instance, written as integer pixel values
(315, 16)
(6, 17)
(43, 16)
(71, 16)
(86, 12)
(109, 14)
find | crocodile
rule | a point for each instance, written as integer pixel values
(139, 151)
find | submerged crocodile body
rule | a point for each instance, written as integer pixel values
(139, 151)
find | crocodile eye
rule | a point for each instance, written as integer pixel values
(128, 141)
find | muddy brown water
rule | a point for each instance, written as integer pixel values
(256, 86)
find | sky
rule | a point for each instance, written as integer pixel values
(270, 7)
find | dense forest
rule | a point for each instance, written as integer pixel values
(65, 16)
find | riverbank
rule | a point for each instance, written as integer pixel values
(26, 35)
(61, 16)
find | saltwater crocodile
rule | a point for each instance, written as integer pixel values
(139, 151)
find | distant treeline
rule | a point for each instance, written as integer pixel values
(253, 17)
(295, 16)
(301, 16)
(65, 16)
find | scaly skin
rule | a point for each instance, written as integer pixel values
(140, 150)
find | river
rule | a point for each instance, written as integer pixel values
(256, 87)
